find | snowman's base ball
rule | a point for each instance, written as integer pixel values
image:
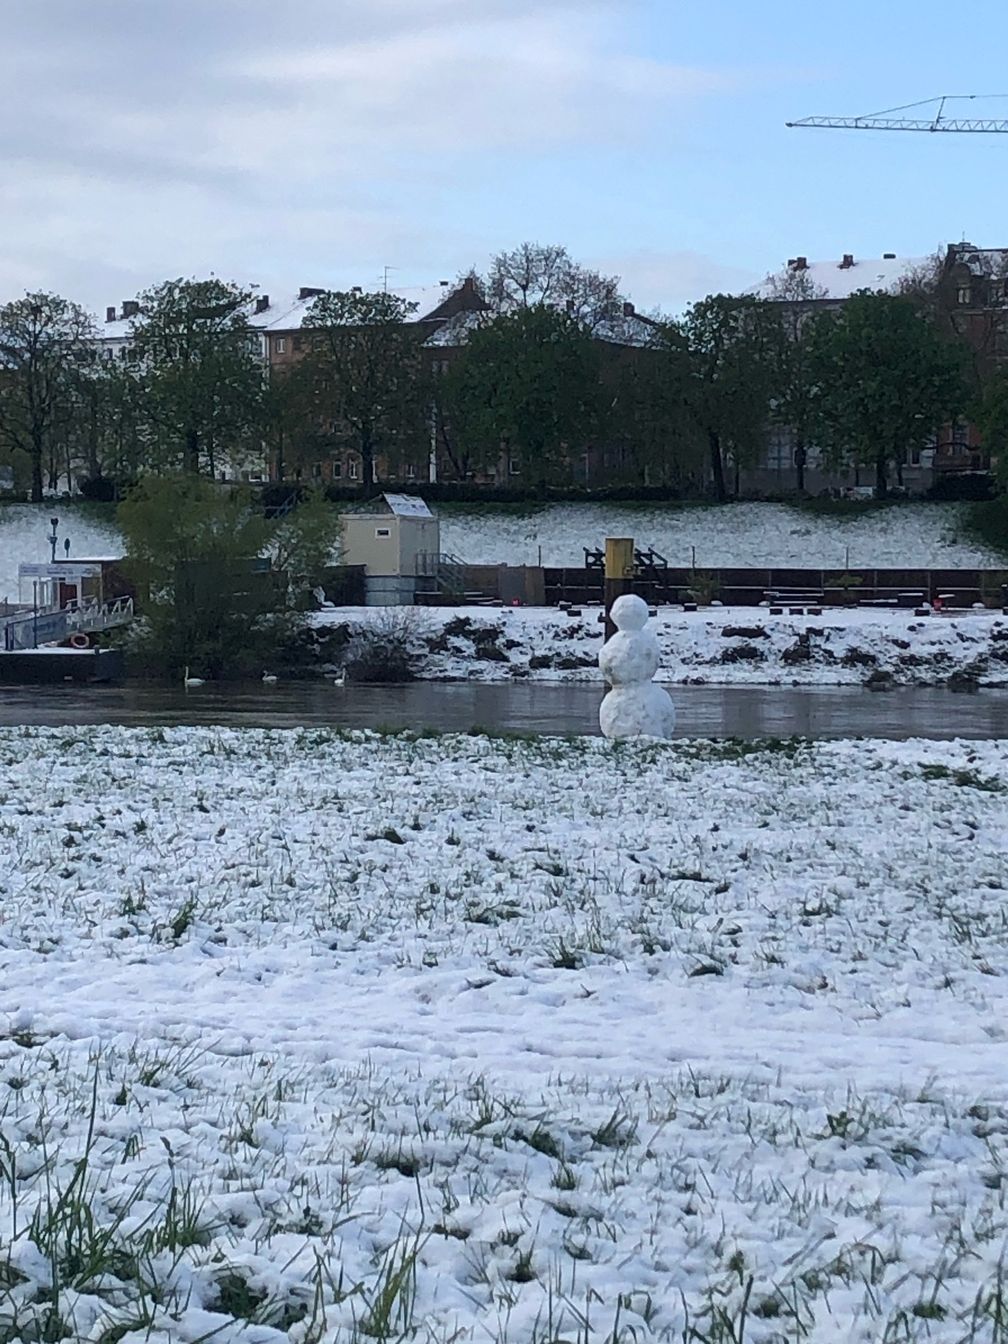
(637, 711)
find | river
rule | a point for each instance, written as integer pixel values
(703, 711)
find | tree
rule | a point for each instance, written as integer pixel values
(992, 421)
(650, 417)
(883, 381)
(535, 274)
(529, 385)
(44, 340)
(198, 373)
(732, 343)
(367, 376)
(795, 296)
(193, 547)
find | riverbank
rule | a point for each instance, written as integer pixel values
(716, 646)
(482, 1034)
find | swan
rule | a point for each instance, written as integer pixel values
(269, 678)
(188, 681)
(339, 678)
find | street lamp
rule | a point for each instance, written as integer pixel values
(53, 522)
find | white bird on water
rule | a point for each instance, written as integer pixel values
(188, 681)
(269, 678)
(339, 678)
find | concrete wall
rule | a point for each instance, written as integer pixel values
(383, 590)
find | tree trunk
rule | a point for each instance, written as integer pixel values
(881, 480)
(717, 465)
(190, 452)
(36, 474)
(800, 458)
(367, 461)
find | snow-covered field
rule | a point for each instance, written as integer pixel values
(907, 536)
(719, 645)
(904, 536)
(318, 1038)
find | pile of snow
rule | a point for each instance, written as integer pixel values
(725, 646)
(343, 1037)
(904, 536)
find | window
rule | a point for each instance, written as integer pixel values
(514, 466)
(337, 470)
(352, 471)
(383, 531)
(410, 471)
(963, 294)
(110, 353)
(279, 345)
(316, 471)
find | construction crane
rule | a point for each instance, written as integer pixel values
(892, 120)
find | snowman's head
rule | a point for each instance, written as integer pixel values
(629, 612)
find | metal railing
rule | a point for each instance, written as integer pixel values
(51, 625)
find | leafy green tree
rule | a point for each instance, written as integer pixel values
(193, 548)
(44, 341)
(198, 374)
(529, 385)
(732, 343)
(992, 421)
(883, 380)
(650, 418)
(795, 296)
(366, 375)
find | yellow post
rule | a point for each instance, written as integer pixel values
(619, 571)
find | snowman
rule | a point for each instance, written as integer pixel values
(635, 706)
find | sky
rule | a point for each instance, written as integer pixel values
(323, 141)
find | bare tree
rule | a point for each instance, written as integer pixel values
(537, 273)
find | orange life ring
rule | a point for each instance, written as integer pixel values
(79, 640)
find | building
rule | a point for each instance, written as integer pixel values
(282, 339)
(397, 541)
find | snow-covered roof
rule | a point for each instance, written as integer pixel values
(288, 312)
(987, 261)
(407, 506)
(834, 280)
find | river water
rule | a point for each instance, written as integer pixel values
(703, 711)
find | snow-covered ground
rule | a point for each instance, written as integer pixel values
(719, 645)
(750, 534)
(24, 529)
(905, 536)
(313, 1037)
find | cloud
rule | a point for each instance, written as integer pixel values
(139, 140)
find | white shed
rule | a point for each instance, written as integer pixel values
(394, 538)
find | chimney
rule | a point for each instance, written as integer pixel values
(848, 261)
(798, 264)
(445, 284)
(888, 256)
(262, 303)
(110, 314)
(130, 308)
(629, 310)
(356, 289)
(307, 292)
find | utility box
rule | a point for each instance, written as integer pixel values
(392, 538)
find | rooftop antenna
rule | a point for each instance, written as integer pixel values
(892, 119)
(385, 271)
